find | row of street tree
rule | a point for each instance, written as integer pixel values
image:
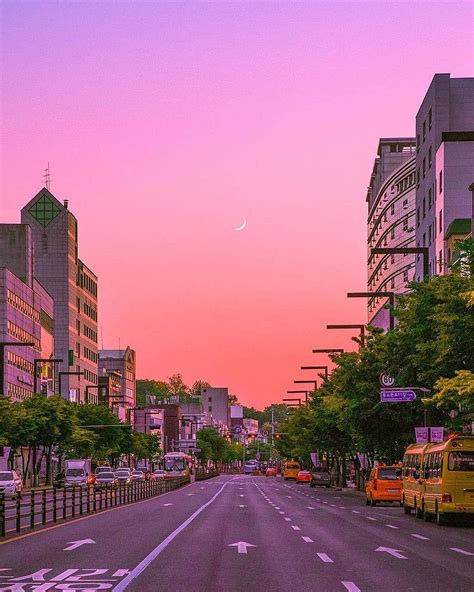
(41, 429)
(432, 347)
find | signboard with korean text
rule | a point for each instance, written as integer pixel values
(422, 435)
(437, 434)
(397, 395)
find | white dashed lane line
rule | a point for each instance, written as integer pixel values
(295, 527)
(306, 539)
(325, 558)
(421, 537)
(370, 518)
(350, 587)
(391, 526)
(287, 519)
(462, 551)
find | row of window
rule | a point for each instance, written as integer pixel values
(18, 303)
(22, 335)
(405, 183)
(90, 355)
(90, 312)
(430, 124)
(90, 333)
(18, 392)
(90, 376)
(87, 283)
(20, 363)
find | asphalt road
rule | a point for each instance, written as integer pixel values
(291, 538)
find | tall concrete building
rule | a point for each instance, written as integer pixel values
(123, 363)
(27, 316)
(72, 285)
(390, 223)
(444, 167)
(216, 407)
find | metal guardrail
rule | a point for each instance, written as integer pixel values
(37, 508)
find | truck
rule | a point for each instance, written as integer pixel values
(77, 472)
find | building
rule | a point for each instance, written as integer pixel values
(26, 315)
(73, 287)
(251, 426)
(169, 426)
(444, 166)
(390, 223)
(110, 387)
(123, 363)
(215, 402)
(150, 421)
(192, 419)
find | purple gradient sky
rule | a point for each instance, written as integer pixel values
(167, 123)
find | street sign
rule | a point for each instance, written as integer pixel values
(386, 380)
(437, 434)
(397, 395)
(257, 455)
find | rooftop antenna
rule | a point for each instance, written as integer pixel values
(47, 178)
(102, 336)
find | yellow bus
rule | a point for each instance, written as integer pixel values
(411, 475)
(291, 469)
(445, 483)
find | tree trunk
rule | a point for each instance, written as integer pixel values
(343, 471)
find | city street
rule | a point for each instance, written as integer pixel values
(248, 533)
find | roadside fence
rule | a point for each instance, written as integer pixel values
(37, 508)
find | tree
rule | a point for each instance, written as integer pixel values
(176, 385)
(155, 388)
(213, 446)
(195, 390)
(455, 398)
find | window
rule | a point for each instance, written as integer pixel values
(210, 399)
(392, 283)
(430, 117)
(429, 234)
(424, 239)
(405, 204)
(209, 408)
(418, 143)
(418, 217)
(430, 157)
(392, 259)
(405, 224)
(424, 207)
(78, 327)
(424, 167)
(440, 220)
(418, 177)
(392, 233)
(441, 181)
(424, 130)
(440, 261)
(430, 198)
(392, 209)
(405, 276)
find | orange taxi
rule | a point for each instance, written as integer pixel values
(384, 485)
(304, 477)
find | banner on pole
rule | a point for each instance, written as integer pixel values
(422, 435)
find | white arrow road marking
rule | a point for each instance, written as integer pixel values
(350, 587)
(167, 504)
(241, 546)
(391, 526)
(295, 527)
(120, 573)
(307, 540)
(394, 552)
(462, 551)
(421, 537)
(325, 558)
(75, 544)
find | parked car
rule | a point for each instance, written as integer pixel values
(271, 472)
(138, 476)
(103, 469)
(10, 483)
(320, 476)
(106, 479)
(123, 476)
(304, 477)
(384, 485)
(159, 474)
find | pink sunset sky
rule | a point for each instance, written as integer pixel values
(167, 124)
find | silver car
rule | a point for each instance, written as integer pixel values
(10, 483)
(320, 476)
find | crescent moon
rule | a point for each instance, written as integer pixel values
(242, 226)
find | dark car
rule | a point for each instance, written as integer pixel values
(320, 476)
(123, 476)
(106, 479)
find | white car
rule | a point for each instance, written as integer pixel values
(10, 483)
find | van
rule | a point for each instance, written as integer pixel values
(384, 485)
(411, 475)
(291, 469)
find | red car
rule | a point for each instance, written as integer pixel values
(271, 472)
(303, 477)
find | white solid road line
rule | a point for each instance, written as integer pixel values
(136, 571)
(324, 557)
(462, 551)
(350, 587)
(307, 539)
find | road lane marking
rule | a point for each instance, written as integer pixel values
(190, 494)
(324, 557)
(276, 507)
(421, 537)
(295, 527)
(242, 506)
(75, 544)
(307, 539)
(342, 507)
(136, 571)
(288, 496)
(120, 573)
(310, 507)
(391, 526)
(370, 518)
(333, 505)
(350, 587)
(287, 519)
(281, 512)
(167, 504)
(241, 546)
(462, 551)
(324, 502)
(355, 511)
(393, 552)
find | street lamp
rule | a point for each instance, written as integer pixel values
(354, 326)
(305, 393)
(3, 345)
(381, 294)
(406, 251)
(307, 382)
(325, 368)
(334, 350)
(291, 403)
(37, 361)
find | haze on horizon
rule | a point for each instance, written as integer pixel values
(168, 124)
